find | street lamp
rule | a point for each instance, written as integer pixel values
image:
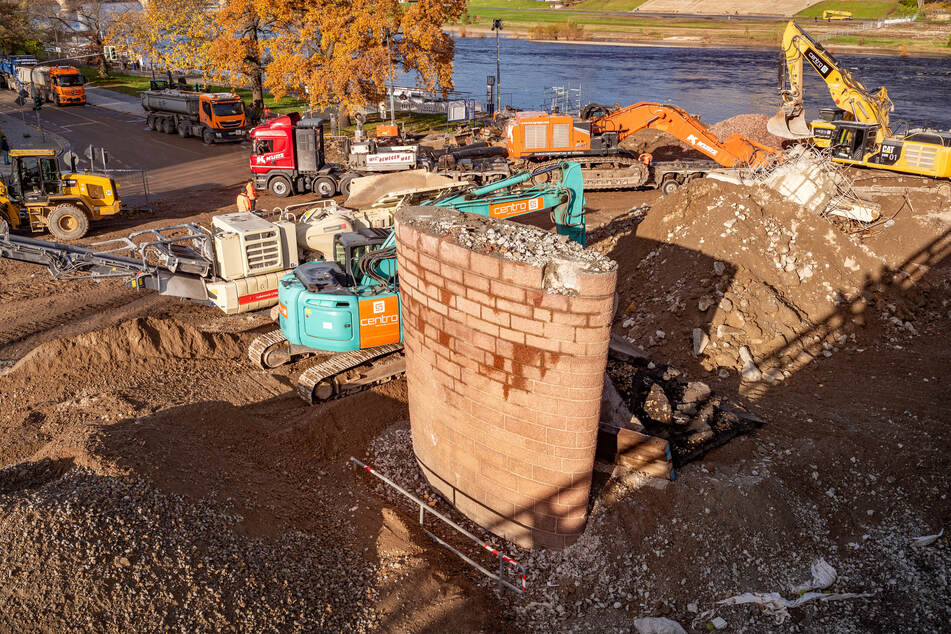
(497, 27)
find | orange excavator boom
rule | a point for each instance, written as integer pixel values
(735, 151)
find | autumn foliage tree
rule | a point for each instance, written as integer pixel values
(339, 52)
(173, 34)
(336, 52)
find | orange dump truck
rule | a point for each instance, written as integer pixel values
(61, 85)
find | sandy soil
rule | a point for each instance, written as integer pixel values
(157, 480)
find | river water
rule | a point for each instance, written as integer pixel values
(715, 83)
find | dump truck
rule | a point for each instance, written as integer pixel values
(61, 85)
(212, 117)
(37, 196)
(10, 65)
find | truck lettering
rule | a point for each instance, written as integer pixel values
(694, 141)
(261, 159)
(391, 157)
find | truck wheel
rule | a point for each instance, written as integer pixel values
(207, 137)
(670, 186)
(67, 222)
(150, 122)
(324, 186)
(182, 130)
(168, 126)
(344, 184)
(280, 187)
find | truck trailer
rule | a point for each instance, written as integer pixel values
(212, 117)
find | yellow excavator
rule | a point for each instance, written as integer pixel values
(38, 196)
(857, 130)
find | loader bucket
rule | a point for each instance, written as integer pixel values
(786, 127)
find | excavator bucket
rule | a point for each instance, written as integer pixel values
(789, 127)
(366, 190)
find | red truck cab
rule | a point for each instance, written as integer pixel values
(287, 157)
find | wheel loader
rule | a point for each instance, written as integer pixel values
(37, 196)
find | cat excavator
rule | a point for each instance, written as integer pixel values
(594, 143)
(350, 305)
(857, 129)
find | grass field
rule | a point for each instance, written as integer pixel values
(860, 10)
(134, 85)
(608, 5)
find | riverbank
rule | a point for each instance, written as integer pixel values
(914, 39)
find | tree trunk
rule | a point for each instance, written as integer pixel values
(103, 66)
(257, 89)
(343, 119)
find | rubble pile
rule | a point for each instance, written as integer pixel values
(686, 413)
(742, 281)
(752, 126)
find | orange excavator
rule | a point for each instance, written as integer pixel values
(594, 142)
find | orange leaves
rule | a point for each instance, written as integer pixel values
(336, 51)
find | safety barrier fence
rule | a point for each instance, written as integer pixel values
(424, 508)
(133, 186)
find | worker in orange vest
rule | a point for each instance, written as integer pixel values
(247, 199)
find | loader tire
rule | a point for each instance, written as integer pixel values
(67, 222)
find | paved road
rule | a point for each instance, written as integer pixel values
(175, 165)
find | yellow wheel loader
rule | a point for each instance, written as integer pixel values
(37, 196)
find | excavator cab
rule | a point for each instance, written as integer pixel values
(852, 140)
(34, 178)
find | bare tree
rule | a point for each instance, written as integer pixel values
(85, 22)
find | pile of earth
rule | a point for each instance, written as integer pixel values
(738, 279)
(139, 338)
(752, 126)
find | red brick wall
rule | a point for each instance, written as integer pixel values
(504, 385)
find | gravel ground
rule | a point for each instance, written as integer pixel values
(144, 560)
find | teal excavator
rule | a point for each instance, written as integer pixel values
(351, 305)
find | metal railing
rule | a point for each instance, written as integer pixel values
(133, 186)
(424, 508)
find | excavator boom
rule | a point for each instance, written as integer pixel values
(735, 151)
(858, 103)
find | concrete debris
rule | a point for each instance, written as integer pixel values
(810, 179)
(686, 413)
(700, 341)
(656, 405)
(928, 539)
(657, 625)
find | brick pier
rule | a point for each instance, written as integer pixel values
(504, 379)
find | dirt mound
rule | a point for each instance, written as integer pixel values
(735, 275)
(752, 126)
(143, 337)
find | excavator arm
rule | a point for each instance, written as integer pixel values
(848, 93)
(735, 151)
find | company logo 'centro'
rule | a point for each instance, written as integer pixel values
(382, 320)
(821, 67)
(694, 141)
(504, 210)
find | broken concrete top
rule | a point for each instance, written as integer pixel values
(503, 238)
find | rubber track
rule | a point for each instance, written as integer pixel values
(592, 162)
(340, 363)
(260, 345)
